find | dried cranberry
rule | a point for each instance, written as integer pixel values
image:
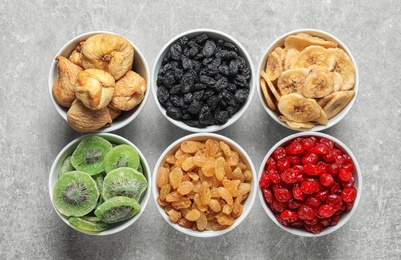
(325, 211)
(279, 153)
(335, 188)
(313, 202)
(293, 204)
(270, 164)
(349, 167)
(294, 148)
(298, 194)
(334, 168)
(289, 216)
(294, 160)
(347, 159)
(327, 142)
(335, 201)
(310, 158)
(312, 221)
(334, 220)
(326, 179)
(268, 195)
(306, 212)
(348, 194)
(274, 176)
(315, 229)
(332, 155)
(283, 163)
(264, 180)
(325, 222)
(289, 176)
(282, 194)
(322, 194)
(311, 169)
(298, 223)
(344, 175)
(281, 220)
(310, 186)
(322, 167)
(308, 143)
(320, 148)
(278, 206)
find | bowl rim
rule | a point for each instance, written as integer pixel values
(249, 201)
(145, 197)
(232, 119)
(119, 124)
(358, 185)
(314, 32)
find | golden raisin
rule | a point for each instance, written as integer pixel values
(162, 176)
(225, 194)
(193, 215)
(175, 177)
(225, 220)
(164, 191)
(204, 193)
(201, 222)
(214, 205)
(189, 146)
(185, 187)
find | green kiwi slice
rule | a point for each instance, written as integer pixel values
(66, 166)
(89, 155)
(118, 209)
(93, 225)
(75, 194)
(121, 156)
(124, 181)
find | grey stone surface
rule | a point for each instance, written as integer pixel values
(32, 133)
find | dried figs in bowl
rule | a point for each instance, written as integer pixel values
(204, 185)
(83, 179)
(130, 89)
(203, 80)
(310, 184)
(308, 80)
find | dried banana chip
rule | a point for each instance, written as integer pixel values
(270, 84)
(344, 66)
(297, 108)
(296, 125)
(318, 83)
(266, 94)
(314, 56)
(338, 101)
(302, 40)
(292, 81)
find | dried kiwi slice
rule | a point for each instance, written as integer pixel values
(66, 166)
(75, 194)
(89, 154)
(118, 209)
(121, 156)
(94, 224)
(124, 181)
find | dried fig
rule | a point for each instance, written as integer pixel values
(63, 87)
(83, 119)
(75, 56)
(110, 52)
(94, 88)
(129, 91)
(114, 113)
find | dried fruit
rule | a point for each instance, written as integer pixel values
(206, 182)
(308, 183)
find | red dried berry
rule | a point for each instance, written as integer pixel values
(344, 175)
(282, 194)
(264, 180)
(310, 158)
(326, 179)
(322, 194)
(279, 153)
(334, 168)
(310, 186)
(335, 188)
(332, 155)
(311, 169)
(274, 176)
(306, 212)
(298, 223)
(315, 229)
(320, 148)
(347, 159)
(298, 194)
(294, 160)
(289, 216)
(270, 164)
(313, 202)
(283, 163)
(295, 148)
(293, 204)
(322, 167)
(308, 143)
(327, 142)
(335, 201)
(289, 176)
(281, 220)
(325, 222)
(348, 194)
(325, 211)
(267, 194)
(312, 221)
(278, 206)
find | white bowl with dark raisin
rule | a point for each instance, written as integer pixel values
(203, 80)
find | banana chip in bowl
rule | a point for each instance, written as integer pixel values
(308, 80)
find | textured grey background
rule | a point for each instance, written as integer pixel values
(32, 132)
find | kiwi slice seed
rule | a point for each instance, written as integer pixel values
(118, 209)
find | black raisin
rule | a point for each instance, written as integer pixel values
(198, 56)
(187, 116)
(230, 46)
(232, 110)
(175, 90)
(175, 51)
(231, 87)
(201, 38)
(233, 67)
(241, 95)
(193, 123)
(169, 79)
(207, 94)
(193, 51)
(199, 86)
(197, 65)
(162, 94)
(207, 80)
(187, 63)
(183, 40)
(174, 112)
(175, 100)
(209, 48)
(205, 116)
(240, 80)
(223, 69)
(220, 116)
(226, 55)
(195, 107)
(187, 83)
(188, 97)
(214, 100)
(229, 98)
(207, 60)
(221, 84)
(197, 95)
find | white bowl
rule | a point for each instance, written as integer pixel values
(203, 137)
(139, 66)
(69, 149)
(279, 42)
(214, 34)
(357, 184)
